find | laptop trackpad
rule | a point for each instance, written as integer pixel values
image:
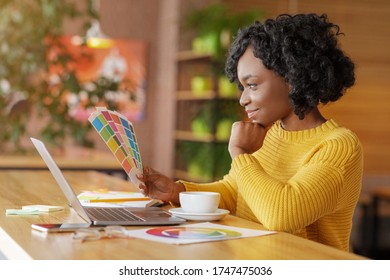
(147, 213)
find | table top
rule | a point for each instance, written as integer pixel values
(70, 159)
(19, 241)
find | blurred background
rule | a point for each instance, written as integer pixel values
(161, 64)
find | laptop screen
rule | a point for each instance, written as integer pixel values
(59, 177)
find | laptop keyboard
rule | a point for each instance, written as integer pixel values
(112, 214)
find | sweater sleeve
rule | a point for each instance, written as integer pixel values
(312, 192)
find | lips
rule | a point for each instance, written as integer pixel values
(251, 113)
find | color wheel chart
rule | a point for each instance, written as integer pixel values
(119, 135)
(194, 233)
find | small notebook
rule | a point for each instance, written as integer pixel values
(119, 135)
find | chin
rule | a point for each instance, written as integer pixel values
(263, 123)
(258, 122)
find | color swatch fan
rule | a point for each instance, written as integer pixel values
(119, 135)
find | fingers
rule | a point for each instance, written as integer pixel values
(150, 176)
(146, 179)
(144, 190)
(150, 171)
(141, 177)
(146, 170)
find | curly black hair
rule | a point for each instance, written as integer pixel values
(304, 50)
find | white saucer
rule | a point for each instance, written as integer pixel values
(218, 215)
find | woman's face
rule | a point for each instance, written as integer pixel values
(265, 95)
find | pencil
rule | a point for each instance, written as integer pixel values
(118, 199)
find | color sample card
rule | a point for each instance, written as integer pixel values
(119, 135)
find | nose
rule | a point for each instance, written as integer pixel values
(244, 98)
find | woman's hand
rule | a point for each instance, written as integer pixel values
(246, 137)
(158, 186)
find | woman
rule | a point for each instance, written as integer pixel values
(292, 170)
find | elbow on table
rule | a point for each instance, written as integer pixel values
(281, 225)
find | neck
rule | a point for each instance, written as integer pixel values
(311, 120)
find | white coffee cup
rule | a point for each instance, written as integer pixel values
(199, 202)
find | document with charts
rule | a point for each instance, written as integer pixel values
(195, 233)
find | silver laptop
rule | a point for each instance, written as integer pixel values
(105, 215)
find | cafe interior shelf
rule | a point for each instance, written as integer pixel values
(204, 115)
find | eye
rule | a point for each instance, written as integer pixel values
(251, 86)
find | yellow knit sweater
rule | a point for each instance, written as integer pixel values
(303, 182)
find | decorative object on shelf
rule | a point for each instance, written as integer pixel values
(226, 88)
(223, 129)
(200, 127)
(95, 38)
(201, 124)
(205, 44)
(200, 85)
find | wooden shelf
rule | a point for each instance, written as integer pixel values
(208, 106)
(190, 55)
(190, 136)
(189, 95)
(207, 95)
